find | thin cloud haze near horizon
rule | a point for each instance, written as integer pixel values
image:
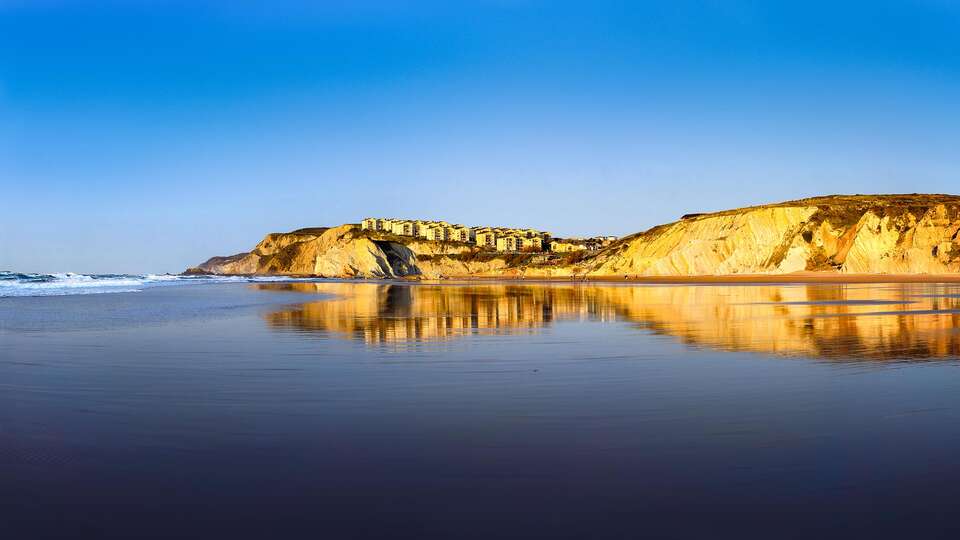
(147, 138)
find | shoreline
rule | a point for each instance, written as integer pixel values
(799, 277)
(811, 277)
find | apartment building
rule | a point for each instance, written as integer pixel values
(509, 243)
(567, 245)
(531, 243)
(459, 233)
(405, 228)
(498, 238)
(438, 233)
(486, 238)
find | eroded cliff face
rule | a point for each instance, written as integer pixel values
(343, 251)
(335, 252)
(891, 234)
(905, 234)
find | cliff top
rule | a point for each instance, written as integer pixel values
(849, 201)
(839, 209)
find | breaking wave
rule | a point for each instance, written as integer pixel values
(20, 284)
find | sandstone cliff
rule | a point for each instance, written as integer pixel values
(344, 251)
(892, 234)
(855, 234)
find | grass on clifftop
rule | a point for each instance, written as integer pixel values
(316, 231)
(840, 211)
(840, 202)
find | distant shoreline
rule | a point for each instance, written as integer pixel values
(806, 277)
(799, 277)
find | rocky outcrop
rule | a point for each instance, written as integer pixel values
(344, 251)
(335, 252)
(853, 234)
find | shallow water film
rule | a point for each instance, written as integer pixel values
(481, 410)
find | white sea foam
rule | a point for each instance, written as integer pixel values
(17, 284)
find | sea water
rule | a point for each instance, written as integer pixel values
(180, 407)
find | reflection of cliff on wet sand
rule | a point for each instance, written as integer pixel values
(828, 321)
(397, 313)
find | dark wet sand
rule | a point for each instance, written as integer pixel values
(482, 410)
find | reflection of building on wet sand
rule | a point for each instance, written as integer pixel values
(383, 313)
(829, 321)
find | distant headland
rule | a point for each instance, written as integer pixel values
(837, 237)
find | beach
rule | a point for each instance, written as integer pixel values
(362, 408)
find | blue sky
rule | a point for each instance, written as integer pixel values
(147, 136)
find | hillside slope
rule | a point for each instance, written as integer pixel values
(853, 234)
(868, 234)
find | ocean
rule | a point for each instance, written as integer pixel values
(68, 283)
(201, 407)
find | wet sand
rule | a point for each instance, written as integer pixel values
(798, 277)
(373, 409)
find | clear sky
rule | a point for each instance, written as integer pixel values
(146, 136)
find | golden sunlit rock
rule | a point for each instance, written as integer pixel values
(857, 234)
